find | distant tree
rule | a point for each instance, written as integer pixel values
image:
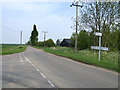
(49, 43)
(58, 42)
(72, 40)
(28, 43)
(34, 36)
(40, 44)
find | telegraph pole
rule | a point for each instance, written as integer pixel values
(73, 4)
(21, 38)
(76, 27)
(44, 36)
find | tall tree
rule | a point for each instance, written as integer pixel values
(101, 17)
(83, 40)
(34, 36)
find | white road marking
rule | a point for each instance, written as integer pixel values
(39, 72)
(51, 83)
(21, 58)
(42, 75)
(35, 68)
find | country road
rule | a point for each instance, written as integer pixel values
(35, 68)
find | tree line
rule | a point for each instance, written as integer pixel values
(94, 17)
(98, 17)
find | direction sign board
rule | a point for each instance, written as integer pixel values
(98, 34)
(100, 48)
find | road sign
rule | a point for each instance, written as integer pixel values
(101, 48)
(96, 47)
(98, 34)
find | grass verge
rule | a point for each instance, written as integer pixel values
(11, 49)
(38, 47)
(109, 60)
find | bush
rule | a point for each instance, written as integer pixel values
(48, 43)
(83, 40)
(40, 44)
(21, 46)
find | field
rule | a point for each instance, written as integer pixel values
(108, 60)
(11, 48)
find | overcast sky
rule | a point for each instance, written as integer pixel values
(54, 17)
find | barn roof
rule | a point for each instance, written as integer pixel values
(67, 40)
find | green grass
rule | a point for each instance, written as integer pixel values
(38, 47)
(109, 60)
(11, 48)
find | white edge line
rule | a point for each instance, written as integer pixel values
(21, 60)
(40, 73)
(51, 83)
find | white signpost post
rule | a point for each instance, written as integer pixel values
(99, 47)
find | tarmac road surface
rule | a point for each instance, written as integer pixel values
(35, 68)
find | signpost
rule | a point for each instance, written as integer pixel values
(102, 48)
(99, 47)
(98, 34)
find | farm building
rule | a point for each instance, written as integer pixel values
(65, 43)
(58, 42)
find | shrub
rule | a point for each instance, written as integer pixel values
(49, 43)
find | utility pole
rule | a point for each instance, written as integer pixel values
(21, 38)
(76, 27)
(76, 4)
(44, 36)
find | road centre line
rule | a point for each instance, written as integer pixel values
(39, 71)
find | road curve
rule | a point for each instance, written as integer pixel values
(65, 73)
(19, 72)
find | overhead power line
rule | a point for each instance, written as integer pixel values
(9, 29)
